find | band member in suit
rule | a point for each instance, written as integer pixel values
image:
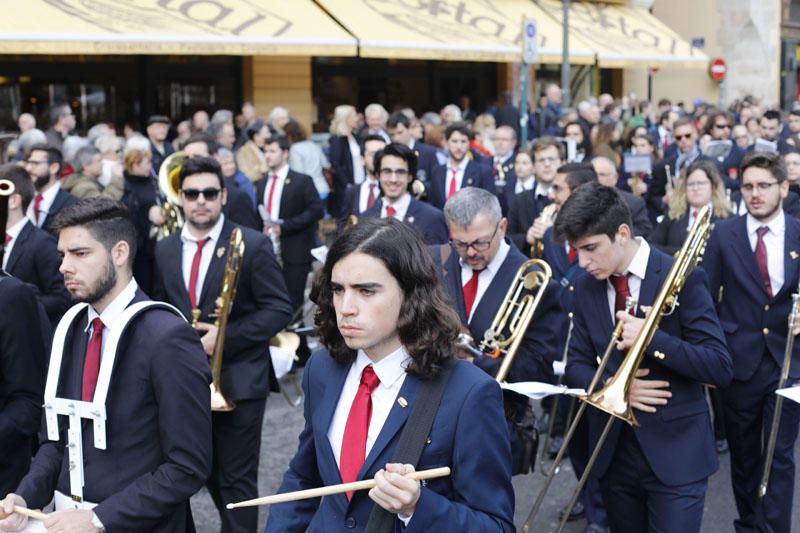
(399, 128)
(396, 166)
(292, 208)
(386, 324)
(44, 164)
(31, 253)
(659, 469)
(476, 279)
(753, 267)
(359, 198)
(527, 206)
(460, 170)
(158, 424)
(608, 175)
(191, 267)
(504, 141)
(345, 155)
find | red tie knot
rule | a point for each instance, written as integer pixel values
(202, 242)
(762, 231)
(477, 272)
(97, 326)
(620, 282)
(390, 211)
(8, 238)
(369, 379)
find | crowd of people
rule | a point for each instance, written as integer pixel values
(428, 219)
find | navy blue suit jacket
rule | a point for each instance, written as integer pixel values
(534, 361)
(677, 440)
(351, 202)
(34, 259)
(469, 434)
(62, 200)
(260, 310)
(158, 428)
(475, 175)
(426, 160)
(564, 274)
(424, 218)
(753, 322)
(525, 208)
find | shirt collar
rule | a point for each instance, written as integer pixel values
(462, 165)
(401, 204)
(112, 312)
(777, 225)
(638, 265)
(49, 195)
(282, 173)
(389, 369)
(16, 229)
(213, 234)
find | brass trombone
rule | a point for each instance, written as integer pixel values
(515, 314)
(776, 414)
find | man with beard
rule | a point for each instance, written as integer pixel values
(753, 267)
(157, 446)
(460, 171)
(44, 165)
(190, 268)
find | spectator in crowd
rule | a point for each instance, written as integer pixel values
(376, 116)
(551, 111)
(62, 122)
(741, 137)
(184, 129)
(278, 118)
(200, 121)
(583, 148)
(85, 182)
(250, 157)
(238, 179)
(345, 155)
(306, 157)
(157, 129)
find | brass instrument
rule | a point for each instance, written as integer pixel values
(549, 213)
(515, 314)
(352, 220)
(776, 413)
(6, 190)
(169, 185)
(221, 311)
(614, 397)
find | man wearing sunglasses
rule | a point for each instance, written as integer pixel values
(190, 268)
(476, 277)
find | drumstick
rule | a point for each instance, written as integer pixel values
(335, 489)
(30, 513)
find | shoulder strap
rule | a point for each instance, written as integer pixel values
(413, 439)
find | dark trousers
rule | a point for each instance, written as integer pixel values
(234, 472)
(637, 502)
(580, 449)
(749, 406)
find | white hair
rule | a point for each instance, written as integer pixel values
(71, 145)
(31, 138)
(136, 143)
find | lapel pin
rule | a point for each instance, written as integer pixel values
(287, 182)
(469, 181)
(220, 251)
(402, 401)
(410, 220)
(793, 254)
(428, 440)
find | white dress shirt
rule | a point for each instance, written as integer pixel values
(400, 207)
(527, 185)
(190, 247)
(363, 195)
(486, 276)
(113, 310)
(391, 371)
(48, 197)
(275, 207)
(359, 172)
(773, 242)
(540, 189)
(637, 269)
(462, 166)
(14, 232)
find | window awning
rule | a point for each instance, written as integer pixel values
(184, 27)
(489, 30)
(624, 37)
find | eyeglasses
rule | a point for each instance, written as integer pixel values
(762, 187)
(682, 137)
(547, 160)
(478, 246)
(722, 126)
(399, 172)
(209, 194)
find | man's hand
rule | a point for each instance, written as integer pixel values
(210, 337)
(633, 325)
(272, 229)
(71, 521)
(394, 492)
(536, 232)
(14, 521)
(646, 393)
(156, 215)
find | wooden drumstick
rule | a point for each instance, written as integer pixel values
(335, 489)
(30, 513)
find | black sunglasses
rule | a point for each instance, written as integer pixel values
(209, 194)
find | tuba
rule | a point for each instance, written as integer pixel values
(169, 186)
(515, 314)
(222, 310)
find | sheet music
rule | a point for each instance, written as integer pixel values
(791, 393)
(536, 390)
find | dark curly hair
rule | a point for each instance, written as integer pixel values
(427, 326)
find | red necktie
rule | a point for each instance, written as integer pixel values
(354, 441)
(390, 211)
(37, 203)
(761, 259)
(194, 272)
(470, 291)
(452, 189)
(620, 284)
(91, 363)
(573, 254)
(271, 193)
(371, 197)
(694, 214)
(8, 238)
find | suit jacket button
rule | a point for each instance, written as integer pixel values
(765, 331)
(766, 308)
(571, 288)
(658, 354)
(350, 523)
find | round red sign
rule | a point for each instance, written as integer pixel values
(718, 69)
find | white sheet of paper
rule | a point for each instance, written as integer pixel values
(281, 361)
(559, 367)
(792, 393)
(536, 390)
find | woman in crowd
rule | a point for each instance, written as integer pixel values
(250, 157)
(306, 157)
(345, 154)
